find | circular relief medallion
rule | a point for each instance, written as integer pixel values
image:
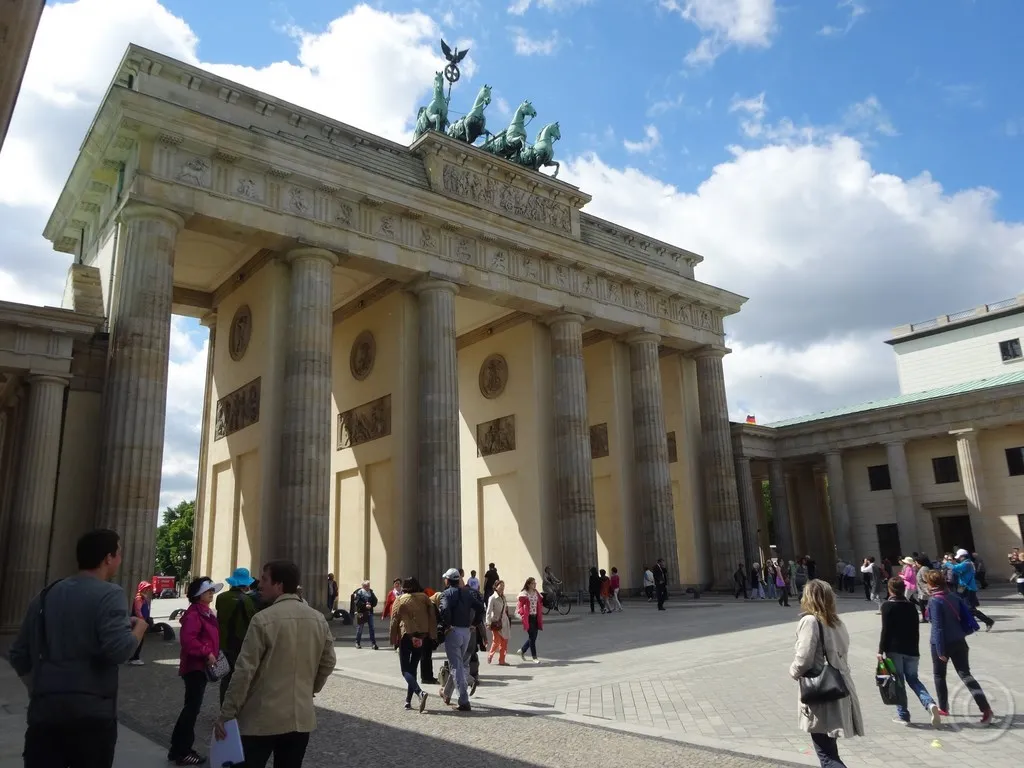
(241, 332)
(360, 359)
(493, 376)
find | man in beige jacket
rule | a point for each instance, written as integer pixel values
(286, 657)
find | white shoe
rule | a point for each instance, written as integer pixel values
(936, 717)
(136, 663)
(522, 655)
(536, 661)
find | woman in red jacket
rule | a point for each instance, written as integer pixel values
(200, 646)
(389, 601)
(529, 610)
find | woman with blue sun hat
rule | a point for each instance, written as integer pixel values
(235, 609)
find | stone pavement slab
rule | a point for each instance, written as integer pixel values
(714, 672)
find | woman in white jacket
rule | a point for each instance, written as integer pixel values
(825, 721)
(498, 621)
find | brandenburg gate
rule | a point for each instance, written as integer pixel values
(420, 356)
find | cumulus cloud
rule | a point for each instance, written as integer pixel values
(526, 45)
(725, 24)
(520, 7)
(853, 10)
(650, 141)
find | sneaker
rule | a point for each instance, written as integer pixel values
(465, 708)
(473, 682)
(375, 647)
(900, 720)
(536, 660)
(988, 627)
(987, 717)
(944, 712)
(423, 700)
(359, 646)
(936, 715)
(430, 681)
(408, 705)
(522, 654)
(192, 758)
(136, 663)
(446, 699)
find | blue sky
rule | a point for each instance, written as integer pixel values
(849, 165)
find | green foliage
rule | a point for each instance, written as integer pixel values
(174, 541)
(766, 494)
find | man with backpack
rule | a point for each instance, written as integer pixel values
(235, 609)
(459, 608)
(964, 572)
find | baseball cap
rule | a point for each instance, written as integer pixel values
(961, 553)
(451, 574)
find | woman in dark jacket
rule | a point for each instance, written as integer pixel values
(595, 590)
(949, 643)
(900, 643)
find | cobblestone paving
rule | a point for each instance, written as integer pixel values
(714, 673)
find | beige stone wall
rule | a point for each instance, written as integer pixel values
(867, 508)
(1003, 494)
(507, 497)
(687, 497)
(241, 471)
(373, 527)
(608, 402)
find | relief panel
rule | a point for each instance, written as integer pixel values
(505, 199)
(370, 421)
(238, 410)
(598, 441)
(496, 436)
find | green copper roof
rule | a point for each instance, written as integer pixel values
(1002, 380)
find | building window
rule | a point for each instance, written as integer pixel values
(1010, 350)
(1015, 461)
(878, 478)
(945, 469)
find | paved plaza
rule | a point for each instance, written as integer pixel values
(704, 675)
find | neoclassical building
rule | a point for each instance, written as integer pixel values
(939, 466)
(421, 356)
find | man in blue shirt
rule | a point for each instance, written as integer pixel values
(459, 609)
(963, 570)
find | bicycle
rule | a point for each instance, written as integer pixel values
(559, 601)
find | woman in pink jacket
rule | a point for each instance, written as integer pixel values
(909, 576)
(200, 646)
(529, 610)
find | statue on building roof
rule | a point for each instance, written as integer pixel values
(474, 124)
(434, 116)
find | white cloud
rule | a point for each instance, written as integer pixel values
(725, 24)
(755, 108)
(831, 252)
(651, 141)
(853, 9)
(525, 45)
(869, 114)
(520, 7)
(662, 106)
(861, 120)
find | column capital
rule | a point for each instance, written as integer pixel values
(712, 350)
(970, 433)
(563, 317)
(139, 211)
(47, 378)
(641, 337)
(833, 452)
(299, 254)
(742, 459)
(431, 282)
(900, 443)
(209, 319)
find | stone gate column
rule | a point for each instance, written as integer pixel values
(748, 508)
(906, 514)
(305, 483)
(440, 517)
(972, 476)
(577, 516)
(723, 508)
(32, 513)
(784, 544)
(135, 396)
(838, 506)
(653, 482)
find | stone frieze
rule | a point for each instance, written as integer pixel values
(366, 422)
(238, 410)
(505, 199)
(496, 436)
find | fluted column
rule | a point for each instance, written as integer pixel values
(440, 518)
(199, 534)
(906, 515)
(135, 394)
(972, 476)
(723, 507)
(784, 544)
(748, 509)
(650, 441)
(838, 506)
(305, 483)
(577, 516)
(32, 513)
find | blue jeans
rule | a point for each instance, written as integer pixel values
(906, 671)
(456, 643)
(359, 630)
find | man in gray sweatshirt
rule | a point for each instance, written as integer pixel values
(75, 635)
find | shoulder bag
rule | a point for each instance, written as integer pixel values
(823, 683)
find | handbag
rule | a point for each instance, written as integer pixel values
(888, 683)
(964, 617)
(220, 670)
(825, 683)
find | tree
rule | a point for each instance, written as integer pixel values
(174, 541)
(766, 495)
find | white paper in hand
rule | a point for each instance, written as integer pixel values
(229, 751)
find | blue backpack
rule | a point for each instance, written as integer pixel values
(963, 614)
